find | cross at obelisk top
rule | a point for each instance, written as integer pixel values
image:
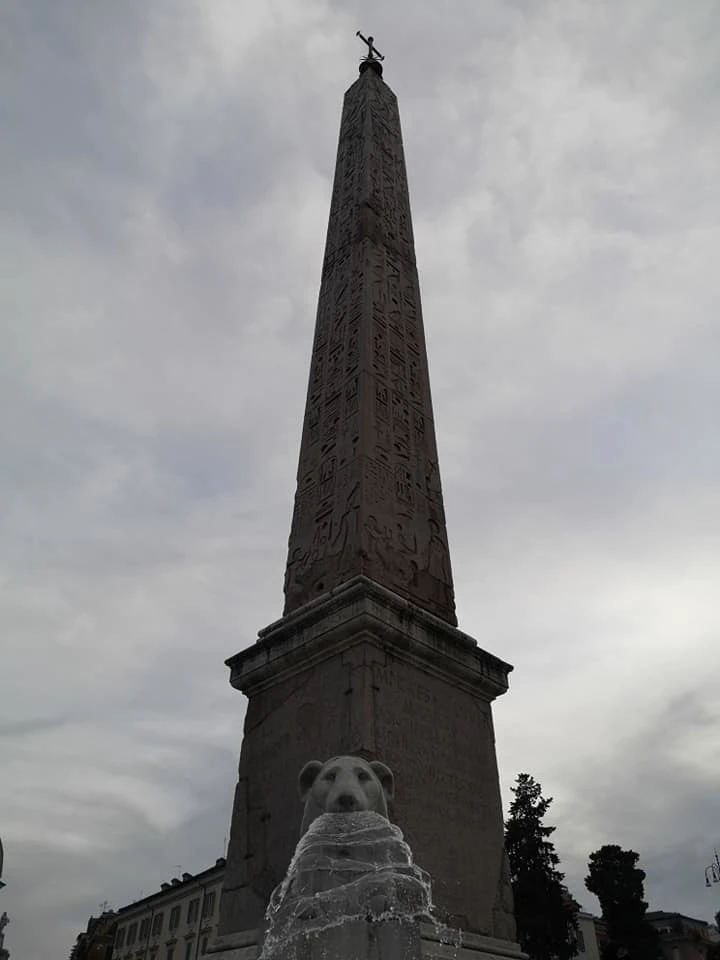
(373, 57)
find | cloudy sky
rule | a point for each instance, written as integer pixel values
(166, 173)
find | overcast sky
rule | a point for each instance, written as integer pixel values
(165, 176)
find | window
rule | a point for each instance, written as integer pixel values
(203, 949)
(193, 910)
(145, 928)
(170, 953)
(209, 904)
(157, 924)
(175, 917)
(188, 950)
(580, 941)
(132, 934)
(120, 937)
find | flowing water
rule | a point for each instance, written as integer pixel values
(348, 866)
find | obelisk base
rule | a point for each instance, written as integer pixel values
(383, 940)
(363, 672)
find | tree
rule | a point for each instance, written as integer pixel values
(545, 914)
(618, 884)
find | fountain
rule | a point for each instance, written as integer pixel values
(351, 883)
(352, 890)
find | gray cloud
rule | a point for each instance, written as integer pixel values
(164, 193)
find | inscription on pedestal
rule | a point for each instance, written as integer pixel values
(448, 803)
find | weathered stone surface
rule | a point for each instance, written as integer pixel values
(368, 496)
(434, 944)
(364, 672)
(357, 940)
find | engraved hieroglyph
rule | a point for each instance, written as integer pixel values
(369, 499)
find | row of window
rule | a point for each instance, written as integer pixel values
(172, 954)
(154, 925)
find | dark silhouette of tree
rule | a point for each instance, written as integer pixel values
(545, 914)
(618, 884)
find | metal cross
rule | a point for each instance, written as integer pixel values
(373, 52)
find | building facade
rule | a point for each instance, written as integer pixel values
(96, 941)
(587, 936)
(178, 922)
(681, 937)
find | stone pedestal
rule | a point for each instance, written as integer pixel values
(362, 671)
(386, 940)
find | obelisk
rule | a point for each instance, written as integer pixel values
(367, 658)
(368, 495)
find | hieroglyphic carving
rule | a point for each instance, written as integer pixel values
(368, 496)
(376, 482)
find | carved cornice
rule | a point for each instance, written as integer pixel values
(361, 610)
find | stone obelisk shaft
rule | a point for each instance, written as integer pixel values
(368, 496)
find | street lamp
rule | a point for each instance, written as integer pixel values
(712, 870)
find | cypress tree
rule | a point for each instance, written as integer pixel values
(545, 914)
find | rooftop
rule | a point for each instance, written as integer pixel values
(175, 884)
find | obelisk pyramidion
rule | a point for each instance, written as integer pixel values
(367, 659)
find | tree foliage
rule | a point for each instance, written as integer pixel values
(618, 883)
(545, 913)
